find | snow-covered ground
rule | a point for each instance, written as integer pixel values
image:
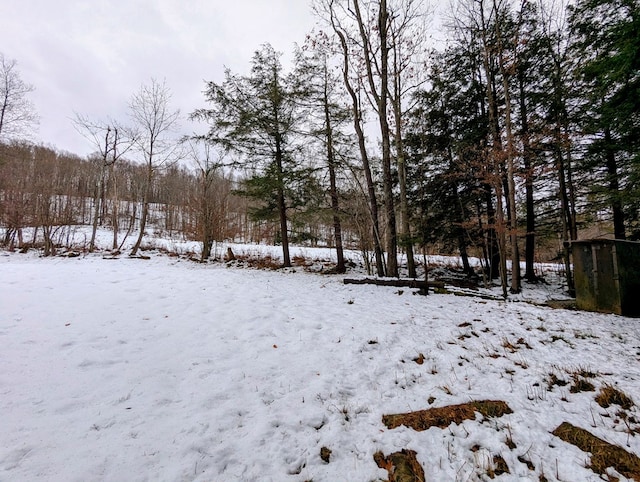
(169, 370)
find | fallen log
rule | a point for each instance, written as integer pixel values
(398, 283)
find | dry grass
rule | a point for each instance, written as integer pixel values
(257, 262)
(580, 382)
(583, 372)
(581, 385)
(402, 466)
(419, 359)
(444, 416)
(499, 467)
(553, 380)
(610, 395)
(300, 261)
(507, 345)
(325, 454)
(603, 454)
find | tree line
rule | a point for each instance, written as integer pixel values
(522, 128)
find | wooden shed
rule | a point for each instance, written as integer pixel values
(607, 276)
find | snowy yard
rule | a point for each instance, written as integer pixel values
(169, 370)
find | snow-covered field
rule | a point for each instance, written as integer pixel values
(168, 370)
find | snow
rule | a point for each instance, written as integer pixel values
(169, 370)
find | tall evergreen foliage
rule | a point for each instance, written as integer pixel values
(257, 117)
(607, 50)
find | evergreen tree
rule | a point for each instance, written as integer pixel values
(326, 119)
(607, 47)
(446, 137)
(257, 117)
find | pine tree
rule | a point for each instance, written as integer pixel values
(257, 116)
(326, 118)
(607, 47)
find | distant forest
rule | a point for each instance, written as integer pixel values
(518, 135)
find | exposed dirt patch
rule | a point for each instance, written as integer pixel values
(442, 417)
(603, 454)
(402, 466)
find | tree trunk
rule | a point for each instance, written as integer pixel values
(398, 283)
(565, 213)
(380, 99)
(493, 251)
(282, 207)
(527, 154)
(614, 187)
(497, 151)
(207, 241)
(510, 155)
(406, 238)
(357, 124)
(115, 211)
(145, 209)
(460, 231)
(333, 189)
(513, 215)
(96, 208)
(387, 181)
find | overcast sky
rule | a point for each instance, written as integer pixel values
(90, 56)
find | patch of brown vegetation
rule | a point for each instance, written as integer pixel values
(554, 380)
(507, 345)
(583, 372)
(300, 261)
(499, 467)
(522, 341)
(442, 417)
(527, 462)
(402, 466)
(610, 395)
(419, 359)
(603, 454)
(581, 385)
(263, 262)
(325, 454)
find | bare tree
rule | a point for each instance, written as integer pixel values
(557, 42)
(373, 25)
(112, 142)
(151, 113)
(17, 113)
(207, 165)
(380, 42)
(506, 68)
(333, 11)
(408, 42)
